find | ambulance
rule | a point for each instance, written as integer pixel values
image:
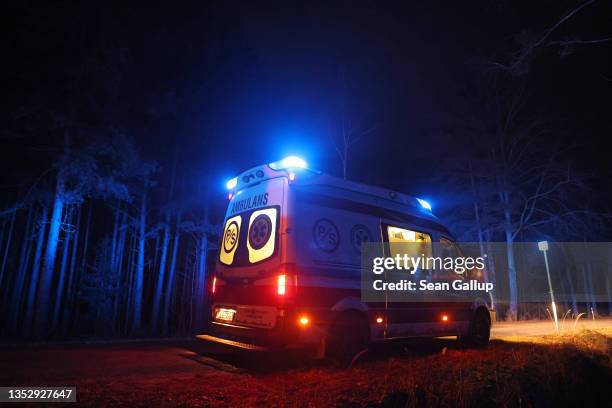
(289, 265)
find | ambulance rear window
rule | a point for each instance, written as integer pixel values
(250, 237)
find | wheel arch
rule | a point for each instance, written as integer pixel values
(350, 303)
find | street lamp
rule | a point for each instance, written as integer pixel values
(543, 246)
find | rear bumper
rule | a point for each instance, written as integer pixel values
(285, 334)
(267, 338)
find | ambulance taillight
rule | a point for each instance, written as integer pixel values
(281, 285)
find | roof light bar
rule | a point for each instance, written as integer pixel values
(290, 162)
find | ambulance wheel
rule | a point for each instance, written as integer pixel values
(479, 331)
(347, 336)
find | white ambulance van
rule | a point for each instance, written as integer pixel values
(289, 265)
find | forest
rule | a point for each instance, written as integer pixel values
(121, 128)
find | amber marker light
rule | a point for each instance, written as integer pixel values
(304, 321)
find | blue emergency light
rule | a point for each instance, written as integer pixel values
(290, 162)
(231, 184)
(424, 204)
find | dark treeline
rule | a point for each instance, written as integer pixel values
(95, 238)
(107, 252)
(518, 176)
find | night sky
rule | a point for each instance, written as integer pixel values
(239, 84)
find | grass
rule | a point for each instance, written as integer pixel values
(569, 369)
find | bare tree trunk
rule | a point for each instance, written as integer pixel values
(171, 276)
(191, 287)
(130, 282)
(513, 292)
(138, 288)
(69, 302)
(154, 264)
(185, 297)
(114, 238)
(114, 273)
(490, 263)
(32, 291)
(476, 200)
(7, 247)
(44, 292)
(16, 300)
(200, 295)
(157, 297)
(62, 277)
(83, 267)
(118, 271)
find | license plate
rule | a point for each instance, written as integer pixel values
(256, 316)
(227, 315)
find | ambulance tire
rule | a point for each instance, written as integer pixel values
(479, 331)
(348, 335)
